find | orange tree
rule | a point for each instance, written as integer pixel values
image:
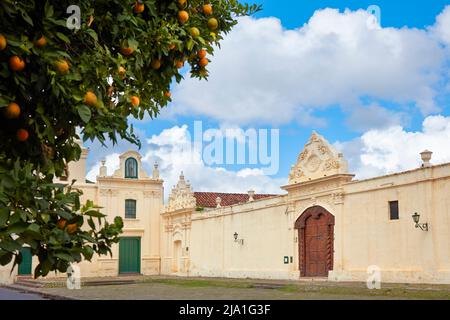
(56, 77)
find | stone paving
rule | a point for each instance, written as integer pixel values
(154, 288)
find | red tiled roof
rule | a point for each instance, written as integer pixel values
(208, 199)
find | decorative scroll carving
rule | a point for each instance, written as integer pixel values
(318, 159)
(181, 197)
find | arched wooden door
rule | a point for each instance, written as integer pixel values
(315, 242)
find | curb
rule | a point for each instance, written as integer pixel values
(49, 296)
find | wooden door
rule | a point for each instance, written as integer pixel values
(316, 236)
(315, 242)
(130, 255)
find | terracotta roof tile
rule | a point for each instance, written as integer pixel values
(208, 199)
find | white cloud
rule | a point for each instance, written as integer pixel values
(172, 150)
(394, 149)
(112, 164)
(442, 26)
(266, 74)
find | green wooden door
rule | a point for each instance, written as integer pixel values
(130, 255)
(25, 265)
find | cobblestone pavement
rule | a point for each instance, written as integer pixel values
(193, 289)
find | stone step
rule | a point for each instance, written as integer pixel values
(29, 283)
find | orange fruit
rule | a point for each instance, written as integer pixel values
(172, 46)
(22, 135)
(138, 7)
(203, 62)
(72, 228)
(213, 23)
(167, 94)
(61, 223)
(179, 64)
(183, 16)
(201, 54)
(62, 66)
(12, 111)
(126, 51)
(16, 64)
(182, 2)
(40, 42)
(135, 101)
(207, 9)
(90, 99)
(194, 32)
(3, 42)
(121, 70)
(156, 64)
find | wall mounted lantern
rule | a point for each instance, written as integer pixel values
(422, 226)
(240, 241)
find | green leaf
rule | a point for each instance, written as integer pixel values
(48, 9)
(4, 216)
(10, 245)
(92, 33)
(27, 18)
(94, 213)
(5, 257)
(62, 37)
(64, 256)
(85, 113)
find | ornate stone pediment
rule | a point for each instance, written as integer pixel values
(181, 197)
(318, 159)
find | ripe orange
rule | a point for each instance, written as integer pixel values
(3, 42)
(72, 228)
(40, 42)
(126, 51)
(121, 70)
(194, 32)
(183, 16)
(138, 7)
(62, 66)
(12, 111)
(167, 94)
(22, 135)
(135, 101)
(207, 9)
(90, 99)
(16, 64)
(179, 64)
(201, 54)
(182, 2)
(213, 23)
(61, 223)
(203, 62)
(156, 64)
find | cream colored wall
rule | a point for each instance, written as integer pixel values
(402, 252)
(265, 228)
(364, 234)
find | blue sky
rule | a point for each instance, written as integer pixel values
(422, 67)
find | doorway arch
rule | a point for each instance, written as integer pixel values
(315, 242)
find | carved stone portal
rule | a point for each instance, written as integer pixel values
(318, 159)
